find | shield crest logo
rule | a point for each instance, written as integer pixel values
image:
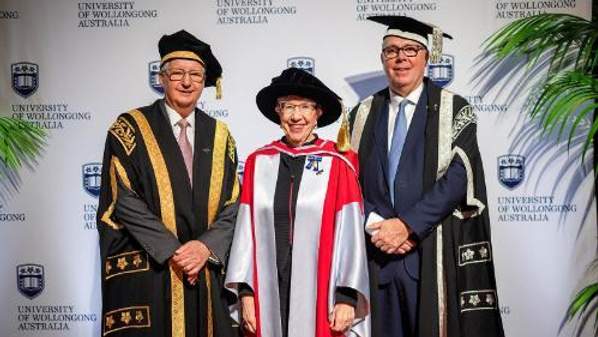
(30, 279)
(154, 77)
(302, 62)
(25, 78)
(511, 170)
(443, 72)
(92, 175)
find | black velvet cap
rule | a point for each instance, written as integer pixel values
(184, 45)
(294, 81)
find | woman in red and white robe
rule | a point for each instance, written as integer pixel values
(298, 260)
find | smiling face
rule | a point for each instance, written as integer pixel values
(404, 73)
(298, 118)
(182, 94)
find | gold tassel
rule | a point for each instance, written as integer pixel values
(436, 45)
(219, 88)
(343, 143)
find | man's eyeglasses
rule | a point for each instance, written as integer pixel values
(179, 75)
(392, 52)
(289, 108)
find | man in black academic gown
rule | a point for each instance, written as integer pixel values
(167, 206)
(430, 255)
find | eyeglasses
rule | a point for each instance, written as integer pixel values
(392, 52)
(289, 108)
(179, 75)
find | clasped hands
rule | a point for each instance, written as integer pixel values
(392, 236)
(190, 258)
(341, 318)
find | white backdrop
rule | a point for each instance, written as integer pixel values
(90, 61)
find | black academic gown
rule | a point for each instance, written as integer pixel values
(148, 209)
(448, 219)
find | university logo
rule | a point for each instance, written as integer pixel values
(30, 279)
(25, 78)
(313, 164)
(154, 77)
(92, 175)
(443, 72)
(367, 84)
(511, 170)
(302, 62)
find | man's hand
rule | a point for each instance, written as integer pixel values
(392, 236)
(248, 312)
(405, 248)
(342, 317)
(191, 258)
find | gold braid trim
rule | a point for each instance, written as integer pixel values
(231, 155)
(217, 175)
(115, 168)
(124, 133)
(127, 318)
(231, 148)
(126, 263)
(221, 136)
(182, 54)
(177, 307)
(210, 313)
(235, 193)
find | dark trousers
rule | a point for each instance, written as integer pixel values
(398, 303)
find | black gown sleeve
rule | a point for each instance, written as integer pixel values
(132, 212)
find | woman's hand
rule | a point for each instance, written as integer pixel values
(342, 317)
(248, 311)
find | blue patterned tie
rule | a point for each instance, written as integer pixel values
(396, 147)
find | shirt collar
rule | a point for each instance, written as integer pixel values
(175, 117)
(413, 97)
